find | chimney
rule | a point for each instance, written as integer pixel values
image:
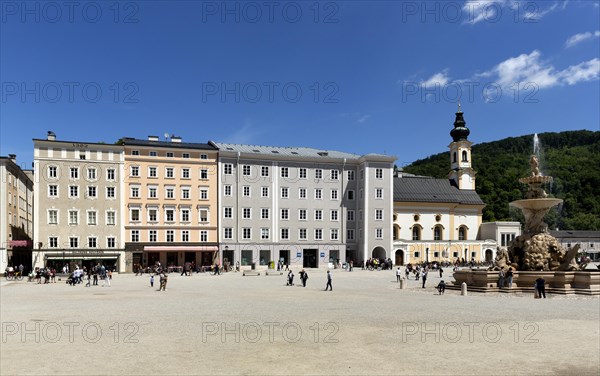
(51, 136)
(12, 156)
(152, 138)
(176, 139)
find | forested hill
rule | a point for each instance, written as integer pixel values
(572, 158)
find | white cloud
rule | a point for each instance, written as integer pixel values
(363, 118)
(530, 68)
(440, 78)
(493, 10)
(247, 134)
(578, 38)
(481, 10)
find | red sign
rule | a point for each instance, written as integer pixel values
(19, 243)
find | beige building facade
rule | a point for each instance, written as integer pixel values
(170, 205)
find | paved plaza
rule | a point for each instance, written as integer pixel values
(255, 325)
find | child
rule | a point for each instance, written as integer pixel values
(441, 287)
(152, 281)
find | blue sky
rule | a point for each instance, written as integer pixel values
(356, 76)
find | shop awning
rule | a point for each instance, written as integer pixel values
(178, 248)
(75, 257)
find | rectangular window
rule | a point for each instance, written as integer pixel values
(264, 233)
(185, 193)
(333, 234)
(134, 215)
(170, 192)
(318, 215)
(53, 242)
(351, 215)
(203, 215)
(246, 170)
(170, 236)
(302, 193)
(185, 155)
(91, 218)
(318, 174)
(110, 192)
(264, 171)
(285, 234)
(73, 242)
(169, 215)
(285, 214)
(203, 193)
(379, 233)
(74, 173)
(53, 217)
(152, 236)
(169, 172)
(152, 215)
(246, 191)
(185, 235)
(92, 242)
(153, 154)
(110, 174)
(185, 173)
(152, 192)
(246, 233)
(350, 195)
(203, 236)
(318, 194)
(284, 192)
(350, 234)
(334, 174)
(227, 212)
(302, 173)
(334, 194)
(135, 152)
(91, 173)
(135, 236)
(379, 193)
(318, 234)
(111, 217)
(302, 214)
(203, 156)
(135, 192)
(228, 169)
(228, 233)
(203, 173)
(350, 175)
(73, 191)
(379, 173)
(302, 234)
(73, 217)
(135, 171)
(91, 192)
(152, 172)
(285, 172)
(264, 213)
(53, 190)
(227, 190)
(185, 215)
(170, 154)
(110, 242)
(334, 215)
(378, 214)
(52, 172)
(265, 191)
(247, 213)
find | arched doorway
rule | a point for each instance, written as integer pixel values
(378, 253)
(399, 257)
(489, 255)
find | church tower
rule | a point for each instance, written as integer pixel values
(461, 172)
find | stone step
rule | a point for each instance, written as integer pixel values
(250, 273)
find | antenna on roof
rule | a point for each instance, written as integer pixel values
(166, 136)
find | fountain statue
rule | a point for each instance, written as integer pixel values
(536, 249)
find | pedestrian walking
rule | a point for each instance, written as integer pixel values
(424, 276)
(509, 277)
(441, 272)
(303, 277)
(329, 281)
(398, 274)
(540, 286)
(152, 281)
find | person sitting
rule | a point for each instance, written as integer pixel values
(441, 287)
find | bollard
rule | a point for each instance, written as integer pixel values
(402, 283)
(463, 289)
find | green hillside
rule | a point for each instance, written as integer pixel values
(572, 158)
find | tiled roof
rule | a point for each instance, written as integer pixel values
(569, 234)
(165, 144)
(425, 189)
(284, 151)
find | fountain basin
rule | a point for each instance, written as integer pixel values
(536, 204)
(537, 179)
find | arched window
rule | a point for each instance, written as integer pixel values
(464, 156)
(454, 157)
(396, 232)
(462, 233)
(437, 233)
(416, 233)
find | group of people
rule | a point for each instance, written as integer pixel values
(92, 274)
(377, 264)
(304, 278)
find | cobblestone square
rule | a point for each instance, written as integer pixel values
(255, 325)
